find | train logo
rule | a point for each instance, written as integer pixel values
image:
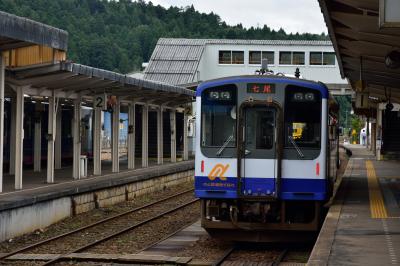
(218, 171)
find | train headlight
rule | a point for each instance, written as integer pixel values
(298, 96)
(214, 95)
(309, 96)
(225, 95)
(220, 95)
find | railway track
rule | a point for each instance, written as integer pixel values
(111, 227)
(228, 258)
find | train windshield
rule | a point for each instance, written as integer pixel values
(302, 118)
(218, 110)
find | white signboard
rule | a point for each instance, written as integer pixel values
(362, 100)
(100, 101)
(389, 13)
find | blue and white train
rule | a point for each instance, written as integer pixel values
(266, 155)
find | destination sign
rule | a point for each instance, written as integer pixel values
(260, 88)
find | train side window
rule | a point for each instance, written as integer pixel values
(218, 120)
(302, 122)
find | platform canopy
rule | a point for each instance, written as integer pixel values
(16, 32)
(362, 46)
(70, 80)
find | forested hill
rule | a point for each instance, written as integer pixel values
(120, 35)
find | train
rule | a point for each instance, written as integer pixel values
(267, 155)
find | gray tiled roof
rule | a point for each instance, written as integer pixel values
(19, 31)
(175, 61)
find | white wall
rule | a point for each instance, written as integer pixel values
(209, 68)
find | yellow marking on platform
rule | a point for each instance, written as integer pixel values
(376, 202)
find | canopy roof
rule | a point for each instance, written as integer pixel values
(361, 45)
(16, 32)
(71, 80)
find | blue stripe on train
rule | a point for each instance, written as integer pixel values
(291, 188)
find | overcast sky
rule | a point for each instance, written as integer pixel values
(292, 15)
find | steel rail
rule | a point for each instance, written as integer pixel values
(275, 262)
(127, 229)
(279, 259)
(224, 256)
(40, 243)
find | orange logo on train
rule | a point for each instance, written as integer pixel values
(218, 172)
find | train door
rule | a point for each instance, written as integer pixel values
(258, 169)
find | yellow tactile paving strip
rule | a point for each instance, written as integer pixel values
(376, 202)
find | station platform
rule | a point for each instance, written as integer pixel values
(32, 179)
(363, 223)
(36, 190)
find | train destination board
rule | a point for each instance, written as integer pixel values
(260, 88)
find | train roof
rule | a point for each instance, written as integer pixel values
(264, 78)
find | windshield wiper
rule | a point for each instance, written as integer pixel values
(229, 139)
(296, 147)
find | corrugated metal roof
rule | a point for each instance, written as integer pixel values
(175, 61)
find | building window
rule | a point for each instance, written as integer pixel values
(255, 57)
(329, 59)
(291, 58)
(322, 58)
(298, 58)
(315, 58)
(225, 57)
(285, 58)
(231, 57)
(237, 57)
(269, 56)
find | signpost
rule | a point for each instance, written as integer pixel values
(101, 101)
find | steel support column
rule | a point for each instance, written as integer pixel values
(172, 120)
(37, 146)
(145, 135)
(51, 137)
(97, 140)
(58, 151)
(12, 135)
(115, 137)
(19, 133)
(185, 137)
(76, 171)
(131, 135)
(378, 133)
(368, 134)
(160, 130)
(2, 81)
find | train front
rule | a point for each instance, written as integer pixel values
(261, 170)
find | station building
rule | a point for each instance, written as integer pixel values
(62, 120)
(187, 62)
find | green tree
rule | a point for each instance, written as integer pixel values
(121, 34)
